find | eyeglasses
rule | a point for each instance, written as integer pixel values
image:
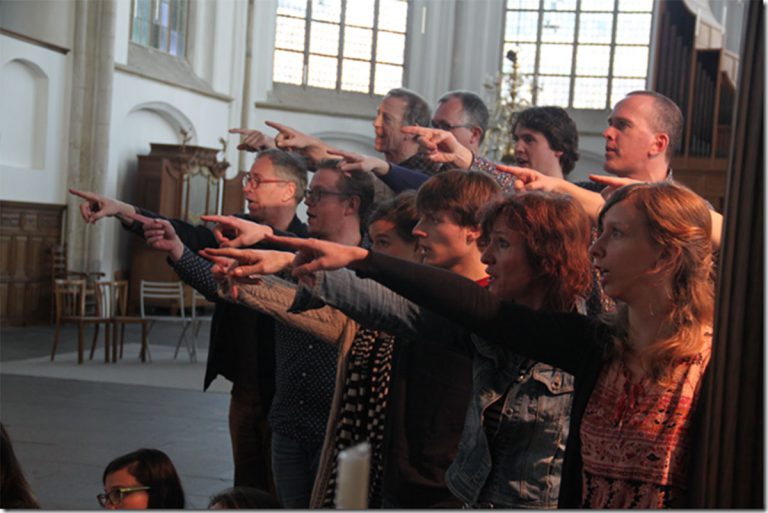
(316, 195)
(255, 181)
(116, 495)
(442, 125)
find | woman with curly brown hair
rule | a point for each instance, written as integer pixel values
(637, 373)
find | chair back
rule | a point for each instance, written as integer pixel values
(111, 298)
(199, 300)
(69, 296)
(171, 293)
(58, 261)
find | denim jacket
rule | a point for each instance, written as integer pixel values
(529, 448)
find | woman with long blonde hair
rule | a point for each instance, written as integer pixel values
(637, 373)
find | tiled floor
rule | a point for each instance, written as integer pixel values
(65, 431)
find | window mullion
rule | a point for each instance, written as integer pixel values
(572, 85)
(537, 59)
(340, 53)
(612, 54)
(307, 34)
(374, 44)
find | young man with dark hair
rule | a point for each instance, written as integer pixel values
(431, 384)
(546, 139)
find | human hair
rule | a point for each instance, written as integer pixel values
(353, 184)
(244, 497)
(679, 222)
(475, 110)
(288, 167)
(15, 492)
(416, 108)
(401, 212)
(461, 193)
(666, 118)
(556, 231)
(557, 127)
(152, 468)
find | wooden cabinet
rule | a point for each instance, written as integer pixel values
(180, 182)
(27, 232)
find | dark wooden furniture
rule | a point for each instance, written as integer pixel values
(180, 182)
(70, 298)
(27, 232)
(693, 69)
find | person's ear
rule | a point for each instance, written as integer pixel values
(353, 205)
(289, 193)
(473, 234)
(666, 259)
(659, 145)
(477, 134)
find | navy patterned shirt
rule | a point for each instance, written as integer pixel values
(305, 367)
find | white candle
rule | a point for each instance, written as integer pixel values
(354, 467)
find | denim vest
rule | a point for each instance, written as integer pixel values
(529, 448)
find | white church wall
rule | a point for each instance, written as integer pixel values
(33, 85)
(50, 21)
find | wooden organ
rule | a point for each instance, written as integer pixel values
(699, 74)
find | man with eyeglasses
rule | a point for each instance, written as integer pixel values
(241, 341)
(337, 205)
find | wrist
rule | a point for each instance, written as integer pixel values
(123, 211)
(464, 159)
(382, 170)
(177, 252)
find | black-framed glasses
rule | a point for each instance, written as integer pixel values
(116, 495)
(316, 195)
(255, 181)
(442, 125)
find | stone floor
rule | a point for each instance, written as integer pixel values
(65, 431)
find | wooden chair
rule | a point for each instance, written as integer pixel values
(120, 318)
(60, 271)
(69, 299)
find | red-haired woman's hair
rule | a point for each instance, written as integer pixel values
(556, 230)
(679, 222)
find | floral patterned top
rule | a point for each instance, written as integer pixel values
(636, 437)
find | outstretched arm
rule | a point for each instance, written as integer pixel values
(253, 140)
(441, 146)
(289, 138)
(613, 182)
(557, 338)
(97, 206)
(375, 306)
(318, 255)
(233, 232)
(530, 179)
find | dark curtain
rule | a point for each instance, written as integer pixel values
(727, 471)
